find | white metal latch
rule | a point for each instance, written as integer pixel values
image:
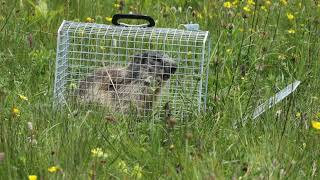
(191, 27)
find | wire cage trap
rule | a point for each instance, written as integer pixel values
(125, 69)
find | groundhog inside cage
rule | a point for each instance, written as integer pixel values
(137, 85)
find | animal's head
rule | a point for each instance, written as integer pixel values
(156, 66)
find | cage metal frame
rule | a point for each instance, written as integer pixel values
(72, 31)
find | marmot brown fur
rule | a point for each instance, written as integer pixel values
(138, 84)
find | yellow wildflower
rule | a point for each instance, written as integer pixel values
(32, 177)
(73, 85)
(268, 3)
(264, 8)
(284, 2)
(227, 5)
(282, 57)
(315, 124)
(298, 114)
(252, 30)
(89, 19)
(235, 3)
(251, 2)
(290, 16)
(171, 147)
(22, 97)
(291, 31)
(15, 111)
(123, 166)
(189, 54)
(116, 5)
(137, 171)
(247, 8)
(109, 19)
(53, 169)
(229, 51)
(97, 152)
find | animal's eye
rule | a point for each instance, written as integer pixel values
(143, 61)
(158, 60)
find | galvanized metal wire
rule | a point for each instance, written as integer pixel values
(85, 48)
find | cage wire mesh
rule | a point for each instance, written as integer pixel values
(131, 68)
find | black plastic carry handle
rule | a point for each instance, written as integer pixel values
(117, 17)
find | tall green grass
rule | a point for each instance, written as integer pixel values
(255, 54)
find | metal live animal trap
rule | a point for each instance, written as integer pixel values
(131, 68)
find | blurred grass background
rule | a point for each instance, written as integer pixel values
(258, 48)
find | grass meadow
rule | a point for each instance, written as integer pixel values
(258, 48)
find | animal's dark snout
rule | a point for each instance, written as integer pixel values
(173, 69)
(168, 71)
